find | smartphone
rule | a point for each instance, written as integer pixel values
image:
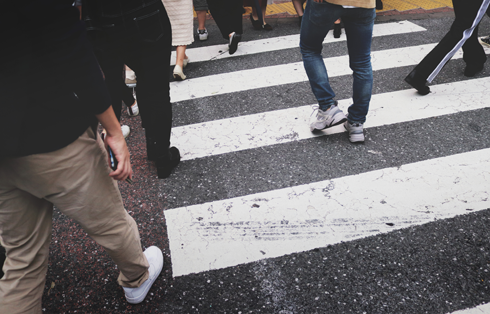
(113, 161)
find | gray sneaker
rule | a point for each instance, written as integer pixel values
(326, 119)
(356, 132)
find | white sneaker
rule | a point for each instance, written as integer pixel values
(356, 132)
(155, 259)
(133, 110)
(326, 119)
(130, 79)
(125, 130)
(203, 34)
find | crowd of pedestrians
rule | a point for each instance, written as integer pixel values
(85, 70)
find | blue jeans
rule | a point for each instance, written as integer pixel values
(358, 22)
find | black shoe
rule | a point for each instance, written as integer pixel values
(234, 40)
(420, 86)
(337, 30)
(167, 162)
(255, 23)
(471, 70)
(267, 27)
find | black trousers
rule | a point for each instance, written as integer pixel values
(463, 33)
(228, 15)
(142, 40)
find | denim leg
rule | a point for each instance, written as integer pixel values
(359, 30)
(317, 20)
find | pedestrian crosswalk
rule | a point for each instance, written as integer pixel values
(241, 219)
(257, 130)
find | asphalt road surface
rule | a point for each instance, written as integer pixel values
(262, 216)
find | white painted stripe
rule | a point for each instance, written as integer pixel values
(286, 42)
(291, 73)
(271, 224)
(283, 126)
(481, 309)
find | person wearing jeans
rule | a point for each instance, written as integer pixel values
(358, 18)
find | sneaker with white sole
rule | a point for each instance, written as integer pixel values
(133, 110)
(203, 34)
(326, 119)
(155, 259)
(485, 41)
(356, 132)
(125, 130)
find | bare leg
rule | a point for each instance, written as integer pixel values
(201, 19)
(180, 56)
(298, 6)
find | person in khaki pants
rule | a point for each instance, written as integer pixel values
(51, 155)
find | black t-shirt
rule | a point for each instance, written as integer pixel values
(51, 86)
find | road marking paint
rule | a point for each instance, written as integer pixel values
(244, 80)
(286, 42)
(481, 309)
(240, 230)
(287, 125)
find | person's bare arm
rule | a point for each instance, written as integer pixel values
(115, 139)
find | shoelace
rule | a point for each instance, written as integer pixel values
(315, 109)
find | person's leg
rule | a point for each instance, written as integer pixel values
(201, 19)
(468, 15)
(127, 95)
(85, 192)
(358, 25)
(180, 63)
(113, 67)
(150, 60)
(201, 8)
(25, 233)
(337, 29)
(227, 15)
(473, 55)
(317, 21)
(298, 6)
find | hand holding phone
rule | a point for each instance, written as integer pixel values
(113, 161)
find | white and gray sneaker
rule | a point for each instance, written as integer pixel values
(326, 119)
(203, 34)
(356, 132)
(155, 259)
(125, 130)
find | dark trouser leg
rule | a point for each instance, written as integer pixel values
(150, 60)
(467, 14)
(112, 66)
(228, 15)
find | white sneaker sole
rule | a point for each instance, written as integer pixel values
(149, 282)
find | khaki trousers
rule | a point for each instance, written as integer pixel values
(76, 180)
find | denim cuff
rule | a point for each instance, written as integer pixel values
(327, 105)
